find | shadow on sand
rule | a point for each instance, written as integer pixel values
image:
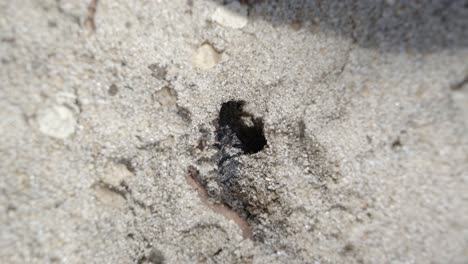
(422, 26)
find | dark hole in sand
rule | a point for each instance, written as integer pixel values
(239, 128)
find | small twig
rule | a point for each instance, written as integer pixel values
(89, 23)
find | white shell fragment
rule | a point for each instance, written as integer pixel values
(233, 15)
(206, 57)
(57, 121)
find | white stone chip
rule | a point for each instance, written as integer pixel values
(206, 57)
(57, 121)
(233, 15)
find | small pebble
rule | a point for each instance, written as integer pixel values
(115, 174)
(57, 121)
(113, 90)
(109, 198)
(206, 57)
(166, 97)
(233, 15)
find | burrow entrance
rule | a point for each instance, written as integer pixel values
(239, 128)
(241, 191)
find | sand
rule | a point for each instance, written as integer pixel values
(113, 149)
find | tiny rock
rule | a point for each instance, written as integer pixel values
(233, 15)
(57, 121)
(109, 198)
(166, 96)
(206, 57)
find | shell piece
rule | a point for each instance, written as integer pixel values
(233, 15)
(206, 57)
(57, 121)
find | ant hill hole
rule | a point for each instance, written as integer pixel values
(239, 128)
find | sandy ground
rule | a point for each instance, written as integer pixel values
(113, 149)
